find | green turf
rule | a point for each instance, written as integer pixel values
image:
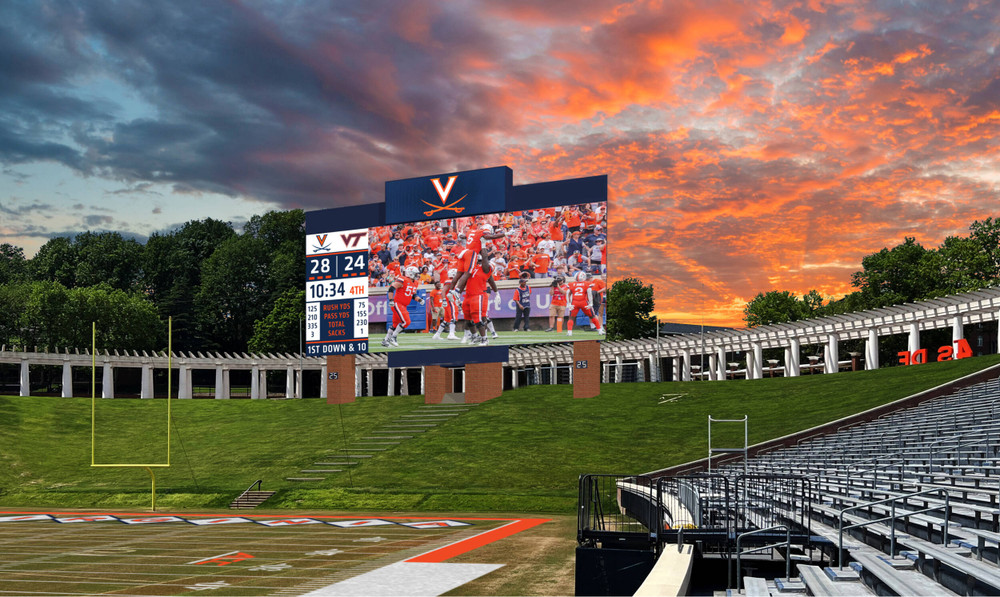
(521, 452)
(426, 341)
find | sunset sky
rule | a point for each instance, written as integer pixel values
(749, 146)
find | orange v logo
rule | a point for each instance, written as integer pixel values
(321, 239)
(443, 193)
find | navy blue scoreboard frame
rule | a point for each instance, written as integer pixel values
(337, 250)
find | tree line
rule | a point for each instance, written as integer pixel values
(216, 283)
(905, 273)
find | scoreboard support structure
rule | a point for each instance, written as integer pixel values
(340, 388)
(486, 378)
(586, 369)
(437, 383)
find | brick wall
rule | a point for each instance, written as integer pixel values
(483, 381)
(587, 381)
(341, 389)
(437, 382)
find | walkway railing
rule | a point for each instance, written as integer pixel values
(892, 518)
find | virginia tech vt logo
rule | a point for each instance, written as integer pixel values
(443, 193)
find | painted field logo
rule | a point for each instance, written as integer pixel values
(443, 192)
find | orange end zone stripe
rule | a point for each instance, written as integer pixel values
(466, 545)
(148, 514)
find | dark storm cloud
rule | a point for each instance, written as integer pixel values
(260, 103)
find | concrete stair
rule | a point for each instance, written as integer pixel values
(250, 500)
(394, 433)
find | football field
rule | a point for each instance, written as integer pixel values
(138, 554)
(426, 341)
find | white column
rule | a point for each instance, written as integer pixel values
(618, 368)
(25, 384)
(220, 384)
(255, 383)
(871, 350)
(146, 384)
(108, 382)
(832, 354)
(998, 331)
(686, 365)
(67, 380)
(553, 376)
(676, 363)
(720, 362)
(751, 365)
(184, 389)
(289, 382)
(513, 379)
(322, 380)
(713, 363)
(792, 368)
(298, 383)
(654, 373)
(404, 383)
(357, 383)
(957, 333)
(371, 381)
(913, 344)
(392, 382)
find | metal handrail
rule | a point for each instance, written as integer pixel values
(739, 553)
(892, 517)
(248, 490)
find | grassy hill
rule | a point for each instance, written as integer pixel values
(521, 452)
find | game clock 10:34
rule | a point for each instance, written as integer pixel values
(332, 290)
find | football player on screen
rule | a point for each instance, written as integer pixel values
(476, 306)
(402, 290)
(451, 305)
(580, 296)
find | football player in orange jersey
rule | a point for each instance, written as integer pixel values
(400, 292)
(450, 306)
(579, 293)
(475, 305)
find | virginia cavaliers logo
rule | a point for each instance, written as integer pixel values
(321, 238)
(443, 193)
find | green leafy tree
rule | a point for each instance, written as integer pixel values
(13, 265)
(172, 266)
(279, 330)
(630, 304)
(107, 258)
(773, 307)
(908, 272)
(56, 261)
(48, 315)
(233, 293)
(987, 235)
(283, 232)
(964, 265)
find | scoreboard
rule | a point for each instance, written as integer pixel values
(337, 292)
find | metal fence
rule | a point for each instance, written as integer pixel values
(620, 509)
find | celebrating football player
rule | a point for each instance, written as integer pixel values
(400, 292)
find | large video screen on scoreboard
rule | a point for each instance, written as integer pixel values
(547, 281)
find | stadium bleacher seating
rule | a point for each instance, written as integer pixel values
(913, 498)
(919, 487)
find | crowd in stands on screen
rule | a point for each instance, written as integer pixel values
(542, 243)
